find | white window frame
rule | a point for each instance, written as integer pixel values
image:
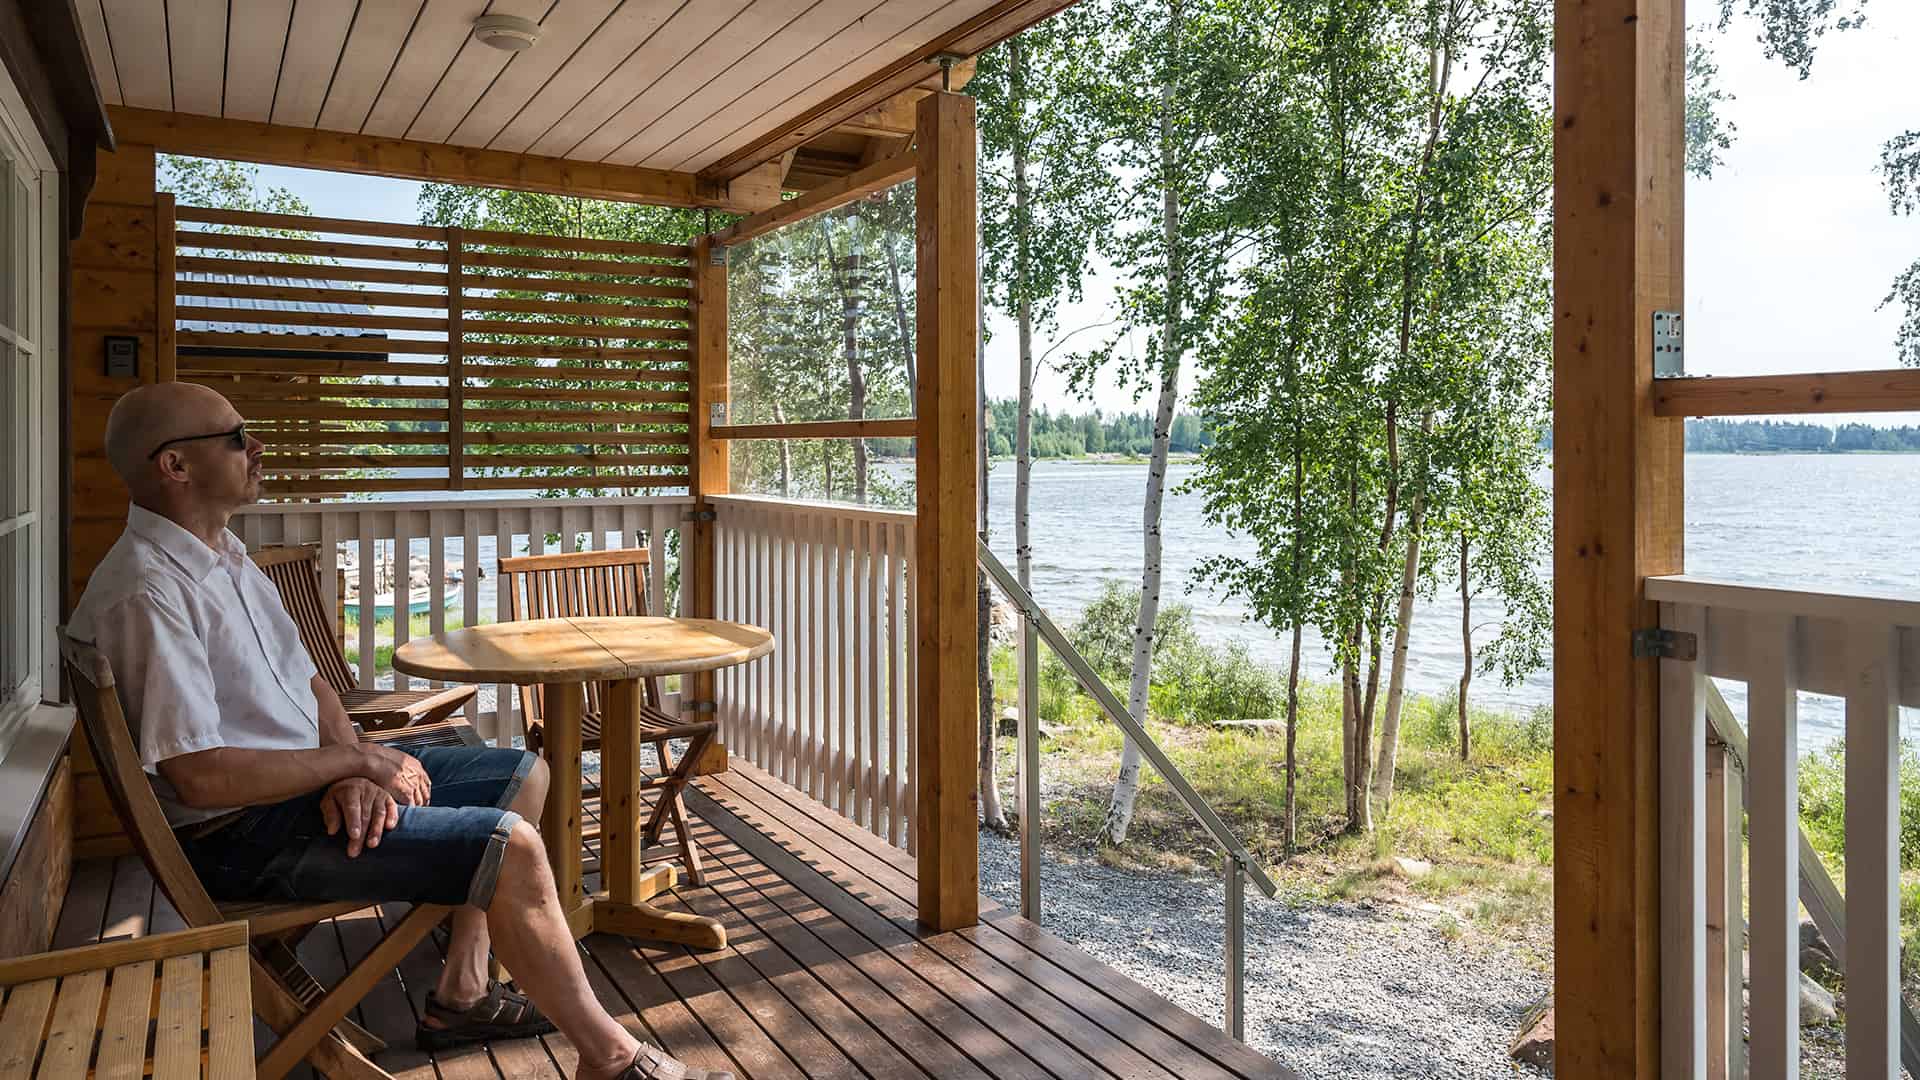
(36, 165)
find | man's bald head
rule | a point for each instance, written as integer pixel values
(150, 415)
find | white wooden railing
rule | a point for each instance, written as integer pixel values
(466, 535)
(1779, 643)
(832, 711)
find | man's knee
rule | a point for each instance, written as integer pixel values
(524, 873)
(534, 789)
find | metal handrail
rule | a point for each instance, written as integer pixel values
(1239, 864)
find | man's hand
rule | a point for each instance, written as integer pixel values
(363, 807)
(400, 773)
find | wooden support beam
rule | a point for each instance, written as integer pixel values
(881, 174)
(1618, 512)
(946, 504)
(274, 144)
(1892, 390)
(903, 428)
(917, 69)
(708, 469)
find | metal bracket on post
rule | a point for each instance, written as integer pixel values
(716, 253)
(698, 706)
(701, 515)
(717, 413)
(1660, 643)
(1669, 358)
(946, 60)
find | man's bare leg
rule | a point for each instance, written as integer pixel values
(532, 938)
(463, 981)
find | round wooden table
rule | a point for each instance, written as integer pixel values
(565, 654)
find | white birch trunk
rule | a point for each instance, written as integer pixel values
(991, 815)
(1397, 677)
(1466, 650)
(1126, 787)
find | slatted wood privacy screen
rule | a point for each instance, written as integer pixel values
(416, 358)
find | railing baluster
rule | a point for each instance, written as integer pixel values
(437, 574)
(402, 590)
(503, 732)
(1725, 923)
(874, 534)
(1683, 884)
(365, 612)
(910, 804)
(330, 570)
(892, 786)
(1873, 851)
(470, 588)
(1773, 719)
(1028, 798)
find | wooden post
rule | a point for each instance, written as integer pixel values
(1618, 512)
(708, 461)
(456, 361)
(946, 505)
(166, 362)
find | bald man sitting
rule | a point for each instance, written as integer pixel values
(272, 794)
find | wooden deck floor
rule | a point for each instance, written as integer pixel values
(826, 975)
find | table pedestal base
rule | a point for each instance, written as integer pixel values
(601, 914)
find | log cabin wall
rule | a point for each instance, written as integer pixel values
(115, 292)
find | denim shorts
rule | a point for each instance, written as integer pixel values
(447, 852)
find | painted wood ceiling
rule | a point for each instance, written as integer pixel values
(667, 84)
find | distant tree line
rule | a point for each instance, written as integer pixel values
(1763, 436)
(1070, 435)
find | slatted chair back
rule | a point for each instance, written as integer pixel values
(295, 571)
(576, 583)
(101, 714)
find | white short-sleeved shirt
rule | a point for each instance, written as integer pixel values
(202, 649)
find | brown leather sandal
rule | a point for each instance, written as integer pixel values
(502, 1013)
(652, 1063)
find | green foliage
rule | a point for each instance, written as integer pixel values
(1072, 435)
(1104, 631)
(224, 185)
(1792, 29)
(1823, 804)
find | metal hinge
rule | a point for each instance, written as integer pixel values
(717, 255)
(717, 413)
(698, 706)
(1661, 643)
(701, 515)
(1669, 358)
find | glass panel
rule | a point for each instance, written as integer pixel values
(21, 434)
(27, 268)
(12, 266)
(830, 470)
(20, 654)
(821, 316)
(12, 412)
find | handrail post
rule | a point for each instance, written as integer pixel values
(1028, 795)
(1236, 949)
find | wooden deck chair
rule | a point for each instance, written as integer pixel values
(295, 571)
(313, 1028)
(613, 583)
(203, 1006)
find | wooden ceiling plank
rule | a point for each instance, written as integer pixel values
(683, 33)
(474, 69)
(306, 71)
(257, 40)
(197, 46)
(180, 133)
(995, 23)
(563, 35)
(713, 62)
(146, 76)
(93, 26)
(442, 30)
(372, 47)
(833, 72)
(626, 30)
(778, 57)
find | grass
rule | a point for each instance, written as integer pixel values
(1485, 825)
(418, 626)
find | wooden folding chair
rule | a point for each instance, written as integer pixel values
(57, 1001)
(295, 571)
(592, 583)
(311, 1022)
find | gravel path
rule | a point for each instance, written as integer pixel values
(1338, 990)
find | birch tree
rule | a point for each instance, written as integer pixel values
(1162, 87)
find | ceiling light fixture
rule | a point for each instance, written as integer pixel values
(509, 32)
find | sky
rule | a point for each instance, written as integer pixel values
(1790, 245)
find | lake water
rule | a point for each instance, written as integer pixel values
(1835, 522)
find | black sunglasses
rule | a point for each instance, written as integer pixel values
(236, 439)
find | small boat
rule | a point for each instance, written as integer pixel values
(419, 601)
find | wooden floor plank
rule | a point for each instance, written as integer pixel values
(85, 908)
(129, 901)
(674, 1029)
(386, 1010)
(892, 868)
(418, 971)
(844, 1005)
(979, 983)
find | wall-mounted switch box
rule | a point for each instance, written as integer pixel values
(123, 357)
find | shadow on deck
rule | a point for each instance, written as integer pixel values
(826, 973)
